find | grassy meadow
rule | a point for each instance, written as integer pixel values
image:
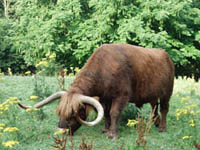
(34, 129)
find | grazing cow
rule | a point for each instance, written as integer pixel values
(117, 74)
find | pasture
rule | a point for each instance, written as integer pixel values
(35, 128)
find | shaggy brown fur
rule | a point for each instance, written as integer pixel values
(69, 101)
(122, 73)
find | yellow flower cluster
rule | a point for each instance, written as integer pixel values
(10, 129)
(2, 125)
(186, 137)
(185, 99)
(42, 63)
(187, 110)
(33, 97)
(2, 79)
(39, 72)
(31, 109)
(10, 101)
(27, 72)
(132, 123)
(61, 131)
(10, 72)
(10, 143)
(192, 124)
(51, 56)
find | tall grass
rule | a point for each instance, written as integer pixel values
(34, 129)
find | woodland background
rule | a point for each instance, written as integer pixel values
(31, 30)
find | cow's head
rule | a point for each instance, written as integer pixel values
(73, 109)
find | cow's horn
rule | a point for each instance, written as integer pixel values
(45, 101)
(95, 104)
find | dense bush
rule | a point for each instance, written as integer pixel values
(74, 29)
(8, 55)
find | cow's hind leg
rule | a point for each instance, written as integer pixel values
(117, 107)
(164, 108)
(156, 117)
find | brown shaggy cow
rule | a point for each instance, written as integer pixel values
(118, 74)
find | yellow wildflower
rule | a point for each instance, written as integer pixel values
(39, 72)
(179, 112)
(186, 137)
(10, 129)
(185, 99)
(9, 71)
(1, 134)
(31, 109)
(2, 125)
(192, 112)
(76, 69)
(47, 54)
(65, 70)
(27, 72)
(43, 62)
(189, 107)
(2, 79)
(70, 74)
(61, 131)
(12, 100)
(1, 107)
(4, 107)
(52, 56)
(132, 123)
(33, 97)
(10, 143)
(192, 124)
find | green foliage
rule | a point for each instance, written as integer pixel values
(41, 87)
(130, 112)
(8, 56)
(74, 29)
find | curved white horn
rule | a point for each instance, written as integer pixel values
(95, 104)
(45, 101)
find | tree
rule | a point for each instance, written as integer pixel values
(74, 29)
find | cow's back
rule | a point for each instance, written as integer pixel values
(144, 73)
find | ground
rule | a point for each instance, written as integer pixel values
(36, 129)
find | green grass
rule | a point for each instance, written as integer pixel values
(37, 128)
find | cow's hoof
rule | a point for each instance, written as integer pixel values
(112, 136)
(161, 129)
(104, 130)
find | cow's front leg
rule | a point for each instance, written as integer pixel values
(117, 107)
(107, 123)
(106, 117)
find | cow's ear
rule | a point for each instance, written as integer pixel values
(96, 97)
